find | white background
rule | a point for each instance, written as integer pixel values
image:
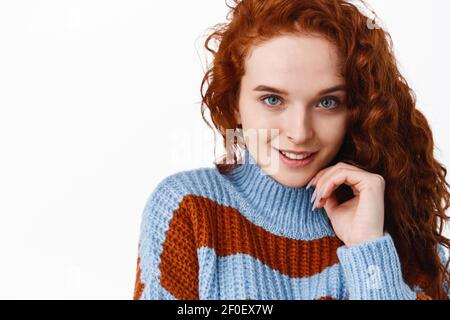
(100, 100)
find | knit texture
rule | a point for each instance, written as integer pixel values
(205, 235)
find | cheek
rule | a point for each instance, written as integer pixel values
(248, 111)
(253, 115)
(332, 130)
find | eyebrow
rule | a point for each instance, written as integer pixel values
(339, 87)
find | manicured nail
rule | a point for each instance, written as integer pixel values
(319, 197)
(313, 195)
(309, 183)
(316, 202)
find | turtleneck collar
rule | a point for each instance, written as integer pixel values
(280, 209)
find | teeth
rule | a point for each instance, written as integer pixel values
(294, 156)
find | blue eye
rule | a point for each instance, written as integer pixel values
(329, 102)
(326, 103)
(272, 99)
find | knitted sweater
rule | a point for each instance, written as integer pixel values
(205, 235)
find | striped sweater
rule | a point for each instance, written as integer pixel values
(205, 235)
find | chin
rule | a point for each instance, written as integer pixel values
(297, 183)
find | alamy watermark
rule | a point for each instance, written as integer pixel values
(195, 146)
(374, 278)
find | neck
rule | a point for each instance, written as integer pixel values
(280, 209)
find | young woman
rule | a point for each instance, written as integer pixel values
(336, 194)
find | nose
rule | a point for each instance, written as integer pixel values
(298, 126)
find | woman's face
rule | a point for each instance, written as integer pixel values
(308, 116)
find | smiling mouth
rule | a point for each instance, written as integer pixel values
(296, 161)
(295, 155)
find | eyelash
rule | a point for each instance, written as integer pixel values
(336, 99)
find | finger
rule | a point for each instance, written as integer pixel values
(321, 173)
(329, 202)
(332, 180)
(318, 175)
(324, 173)
(333, 170)
(316, 182)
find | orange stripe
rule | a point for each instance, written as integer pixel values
(326, 298)
(179, 264)
(138, 286)
(201, 222)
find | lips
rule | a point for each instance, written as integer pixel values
(297, 152)
(290, 157)
(293, 163)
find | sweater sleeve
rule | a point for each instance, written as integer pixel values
(372, 271)
(167, 264)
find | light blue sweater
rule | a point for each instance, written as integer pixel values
(245, 236)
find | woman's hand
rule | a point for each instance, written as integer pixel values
(359, 219)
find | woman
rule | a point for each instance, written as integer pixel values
(314, 93)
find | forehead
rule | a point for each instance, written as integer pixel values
(299, 59)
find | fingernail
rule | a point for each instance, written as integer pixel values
(318, 198)
(313, 195)
(322, 192)
(309, 183)
(316, 202)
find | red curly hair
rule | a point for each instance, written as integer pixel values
(386, 134)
